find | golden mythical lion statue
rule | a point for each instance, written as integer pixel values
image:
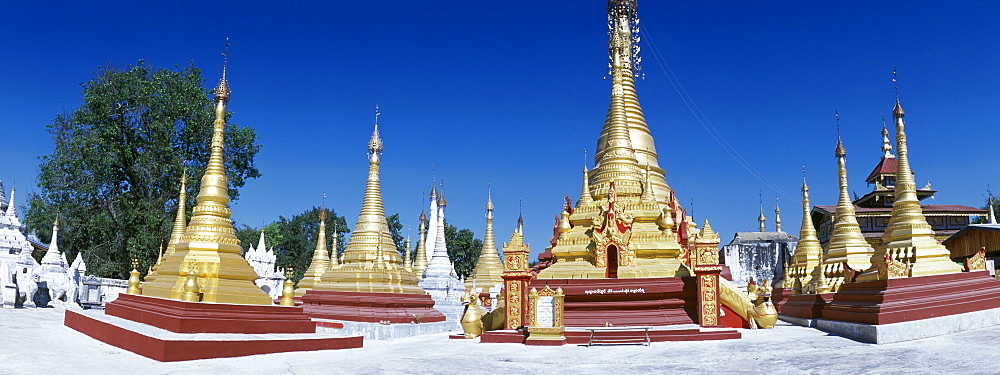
(763, 314)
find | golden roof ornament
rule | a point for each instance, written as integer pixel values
(210, 239)
(886, 145)
(222, 90)
(777, 216)
(421, 263)
(761, 218)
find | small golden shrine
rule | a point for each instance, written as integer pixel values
(546, 315)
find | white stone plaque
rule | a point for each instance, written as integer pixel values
(545, 314)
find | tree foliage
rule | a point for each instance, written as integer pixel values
(294, 240)
(114, 173)
(463, 249)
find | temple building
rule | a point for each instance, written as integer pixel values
(269, 277)
(874, 208)
(760, 255)
(623, 253)
(322, 260)
(986, 236)
(17, 266)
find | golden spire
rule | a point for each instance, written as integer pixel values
(421, 264)
(886, 145)
(808, 250)
(585, 197)
(625, 111)
(761, 218)
(909, 238)
(210, 240)
(486, 275)
(180, 220)
(777, 216)
(371, 262)
(847, 244)
(408, 262)
(320, 259)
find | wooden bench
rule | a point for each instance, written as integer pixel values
(618, 341)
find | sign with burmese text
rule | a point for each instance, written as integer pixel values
(545, 311)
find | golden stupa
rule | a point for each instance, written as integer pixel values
(370, 261)
(180, 223)
(321, 259)
(808, 251)
(209, 245)
(488, 269)
(627, 223)
(908, 238)
(847, 244)
(421, 263)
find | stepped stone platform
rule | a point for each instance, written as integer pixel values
(804, 306)
(913, 298)
(202, 317)
(166, 346)
(371, 307)
(581, 336)
(626, 302)
(384, 332)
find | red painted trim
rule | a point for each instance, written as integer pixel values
(185, 350)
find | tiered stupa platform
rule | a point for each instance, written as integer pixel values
(202, 301)
(169, 330)
(373, 291)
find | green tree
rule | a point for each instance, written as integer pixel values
(294, 240)
(118, 158)
(395, 229)
(463, 249)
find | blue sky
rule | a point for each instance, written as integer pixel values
(512, 92)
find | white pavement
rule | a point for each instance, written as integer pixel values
(36, 342)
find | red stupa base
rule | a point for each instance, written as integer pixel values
(913, 298)
(197, 317)
(168, 330)
(371, 307)
(626, 302)
(805, 306)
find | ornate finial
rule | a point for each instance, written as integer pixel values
(322, 210)
(840, 151)
(222, 90)
(489, 197)
(520, 216)
(805, 187)
(898, 110)
(375, 145)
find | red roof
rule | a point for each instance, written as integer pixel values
(885, 166)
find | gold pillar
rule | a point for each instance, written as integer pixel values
(516, 276)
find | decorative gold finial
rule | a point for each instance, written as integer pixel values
(520, 216)
(839, 151)
(886, 145)
(777, 215)
(375, 144)
(288, 289)
(222, 91)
